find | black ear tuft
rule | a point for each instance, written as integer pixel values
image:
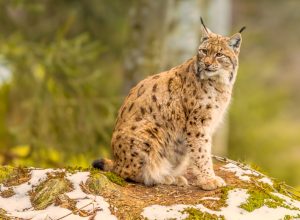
(202, 22)
(205, 32)
(242, 29)
(98, 164)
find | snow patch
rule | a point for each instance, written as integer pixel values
(19, 205)
(288, 200)
(21, 201)
(76, 179)
(266, 180)
(232, 211)
(165, 212)
(239, 172)
(88, 202)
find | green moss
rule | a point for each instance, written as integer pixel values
(10, 176)
(282, 188)
(257, 168)
(224, 195)
(115, 178)
(3, 214)
(196, 214)
(46, 193)
(225, 191)
(290, 217)
(218, 204)
(5, 173)
(75, 169)
(96, 183)
(258, 198)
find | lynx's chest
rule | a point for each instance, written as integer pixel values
(206, 102)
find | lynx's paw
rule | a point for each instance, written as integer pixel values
(177, 181)
(168, 180)
(181, 181)
(211, 183)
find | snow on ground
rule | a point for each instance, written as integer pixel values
(76, 179)
(266, 180)
(20, 206)
(242, 174)
(288, 200)
(236, 197)
(88, 202)
(20, 201)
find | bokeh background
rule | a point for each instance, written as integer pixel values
(66, 66)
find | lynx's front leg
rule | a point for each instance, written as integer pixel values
(199, 144)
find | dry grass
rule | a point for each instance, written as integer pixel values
(131, 199)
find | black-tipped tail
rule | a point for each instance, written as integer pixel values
(98, 164)
(103, 164)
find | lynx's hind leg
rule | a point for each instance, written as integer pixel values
(158, 172)
(162, 173)
(180, 170)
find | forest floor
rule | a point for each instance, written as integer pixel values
(32, 193)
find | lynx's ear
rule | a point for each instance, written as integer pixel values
(205, 32)
(235, 42)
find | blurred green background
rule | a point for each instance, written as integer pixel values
(65, 67)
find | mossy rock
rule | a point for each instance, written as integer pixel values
(96, 183)
(3, 214)
(195, 214)
(5, 173)
(65, 202)
(10, 176)
(115, 178)
(137, 201)
(47, 192)
(7, 193)
(259, 197)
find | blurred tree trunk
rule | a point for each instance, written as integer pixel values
(165, 34)
(219, 21)
(147, 31)
(183, 33)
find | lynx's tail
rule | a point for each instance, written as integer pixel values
(103, 164)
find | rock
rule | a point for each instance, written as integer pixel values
(27, 193)
(48, 191)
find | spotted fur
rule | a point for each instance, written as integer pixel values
(166, 123)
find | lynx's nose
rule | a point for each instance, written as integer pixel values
(207, 61)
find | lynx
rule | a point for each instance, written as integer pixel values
(166, 123)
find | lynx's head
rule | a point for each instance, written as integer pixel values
(217, 56)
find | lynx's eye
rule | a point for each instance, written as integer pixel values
(219, 54)
(204, 51)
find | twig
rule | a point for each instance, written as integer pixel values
(77, 210)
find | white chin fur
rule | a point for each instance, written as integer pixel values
(206, 74)
(221, 75)
(210, 74)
